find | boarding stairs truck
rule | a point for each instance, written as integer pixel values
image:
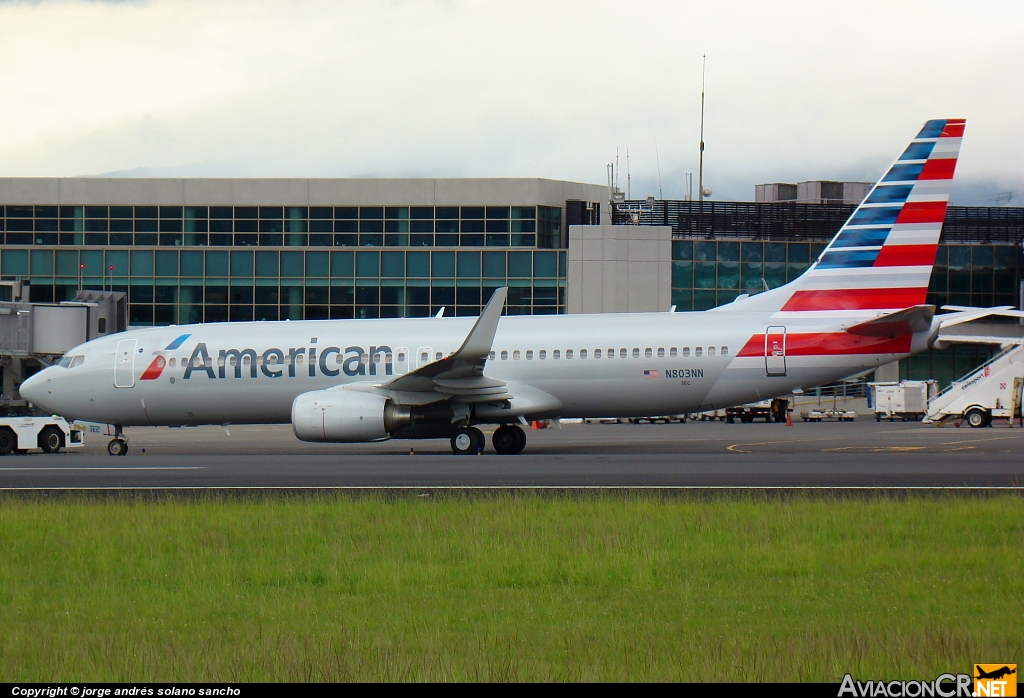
(992, 391)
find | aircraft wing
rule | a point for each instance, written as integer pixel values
(461, 374)
(917, 318)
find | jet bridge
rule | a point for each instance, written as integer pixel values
(36, 335)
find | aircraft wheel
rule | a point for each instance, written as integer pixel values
(7, 441)
(976, 418)
(117, 447)
(51, 440)
(467, 440)
(508, 440)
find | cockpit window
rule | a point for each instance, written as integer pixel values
(77, 361)
(65, 362)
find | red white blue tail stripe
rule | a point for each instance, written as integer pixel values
(882, 257)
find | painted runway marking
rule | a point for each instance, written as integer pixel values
(126, 467)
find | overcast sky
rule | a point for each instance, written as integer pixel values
(319, 88)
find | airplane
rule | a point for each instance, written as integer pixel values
(995, 674)
(859, 306)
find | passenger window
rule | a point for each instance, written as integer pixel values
(65, 362)
(401, 355)
(661, 352)
(686, 352)
(698, 351)
(490, 355)
(597, 353)
(504, 355)
(672, 352)
(529, 354)
(725, 351)
(611, 353)
(711, 351)
(555, 354)
(515, 355)
(648, 353)
(172, 362)
(543, 354)
(438, 356)
(636, 353)
(583, 353)
(622, 353)
(568, 353)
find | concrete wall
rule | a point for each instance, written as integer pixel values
(619, 268)
(297, 192)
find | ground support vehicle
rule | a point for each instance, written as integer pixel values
(50, 434)
(663, 419)
(821, 415)
(992, 391)
(906, 401)
(707, 416)
(768, 410)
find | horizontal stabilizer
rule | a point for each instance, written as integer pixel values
(917, 318)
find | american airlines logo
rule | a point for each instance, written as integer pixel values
(277, 362)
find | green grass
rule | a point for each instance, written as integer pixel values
(506, 587)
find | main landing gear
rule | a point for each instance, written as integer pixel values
(118, 445)
(468, 440)
(508, 439)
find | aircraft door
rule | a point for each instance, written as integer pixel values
(423, 355)
(124, 363)
(775, 351)
(401, 360)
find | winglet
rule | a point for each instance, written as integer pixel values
(481, 337)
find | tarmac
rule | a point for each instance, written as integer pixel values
(860, 454)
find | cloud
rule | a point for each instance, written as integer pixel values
(461, 88)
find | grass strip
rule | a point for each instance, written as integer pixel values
(508, 587)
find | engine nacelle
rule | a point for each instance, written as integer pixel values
(344, 416)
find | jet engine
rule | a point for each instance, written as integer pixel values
(349, 416)
(342, 416)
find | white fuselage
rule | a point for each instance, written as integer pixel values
(591, 365)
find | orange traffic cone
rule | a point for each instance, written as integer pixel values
(789, 418)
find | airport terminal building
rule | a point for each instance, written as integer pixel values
(210, 250)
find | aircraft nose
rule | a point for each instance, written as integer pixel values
(34, 388)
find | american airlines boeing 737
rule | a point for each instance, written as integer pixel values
(859, 306)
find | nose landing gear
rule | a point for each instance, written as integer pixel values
(118, 445)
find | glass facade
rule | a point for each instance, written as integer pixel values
(707, 273)
(282, 226)
(185, 264)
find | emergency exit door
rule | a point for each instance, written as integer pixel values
(775, 351)
(124, 363)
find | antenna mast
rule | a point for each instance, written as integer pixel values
(700, 170)
(658, 160)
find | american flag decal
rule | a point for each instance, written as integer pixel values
(652, 374)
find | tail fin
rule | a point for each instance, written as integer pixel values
(882, 257)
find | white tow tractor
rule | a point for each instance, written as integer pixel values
(50, 434)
